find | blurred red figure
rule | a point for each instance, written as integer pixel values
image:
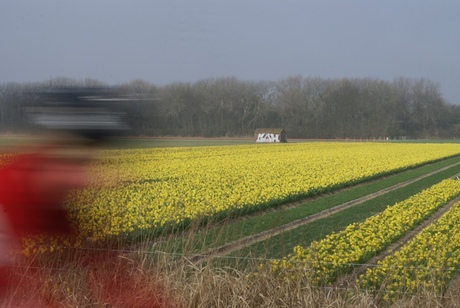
(33, 186)
(32, 191)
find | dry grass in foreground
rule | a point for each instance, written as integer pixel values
(102, 278)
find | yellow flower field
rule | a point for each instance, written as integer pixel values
(339, 252)
(149, 188)
(144, 189)
(428, 262)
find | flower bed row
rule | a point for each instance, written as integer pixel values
(149, 188)
(323, 261)
(428, 262)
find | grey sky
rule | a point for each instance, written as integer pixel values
(188, 40)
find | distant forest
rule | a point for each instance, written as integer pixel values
(305, 107)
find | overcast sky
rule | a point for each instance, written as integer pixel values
(165, 41)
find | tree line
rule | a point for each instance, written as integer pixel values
(306, 107)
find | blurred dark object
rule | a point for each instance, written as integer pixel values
(35, 183)
(94, 113)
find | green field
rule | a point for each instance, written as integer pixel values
(164, 142)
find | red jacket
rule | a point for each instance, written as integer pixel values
(30, 210)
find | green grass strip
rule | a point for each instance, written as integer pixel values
(215, 236)
(281, 245)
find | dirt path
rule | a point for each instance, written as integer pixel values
(255, 238)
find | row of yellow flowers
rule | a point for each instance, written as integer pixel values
(427, 262)
(142, 189)
(149, 188)
(339, 252)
